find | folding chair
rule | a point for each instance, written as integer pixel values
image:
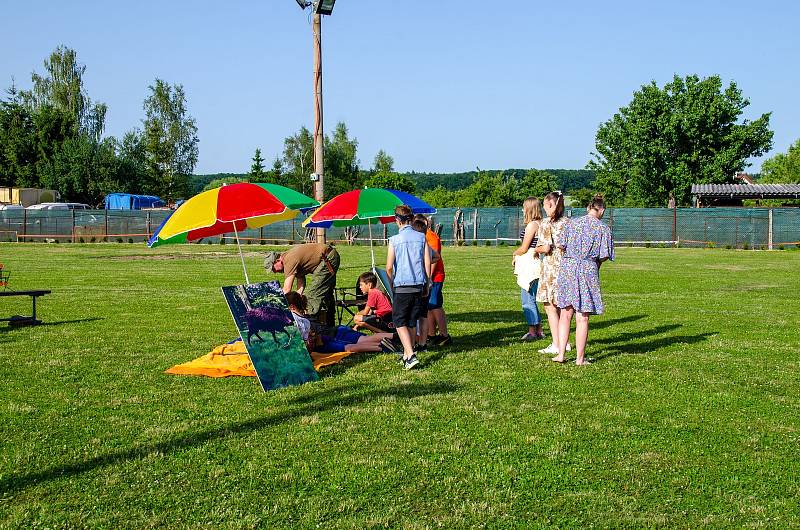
(348, 302)
(383, 279)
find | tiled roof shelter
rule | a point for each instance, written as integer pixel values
(708, 194)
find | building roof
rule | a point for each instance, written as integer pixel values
(747, 191)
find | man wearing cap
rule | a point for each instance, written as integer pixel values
(318, 261)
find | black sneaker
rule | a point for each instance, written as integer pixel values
(420, 348)
(411, 362)
(434, 340)
(445, 341)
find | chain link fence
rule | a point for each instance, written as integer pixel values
(753, 228)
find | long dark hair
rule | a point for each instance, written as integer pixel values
(558, 199)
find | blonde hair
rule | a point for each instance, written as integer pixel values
(532, 209)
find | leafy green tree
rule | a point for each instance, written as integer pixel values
(62, 87)
(535, 183)
(17, 145)
(341, 162)
(390, 181)
(257, 173)
(439, 197)
(298, 161)
(383, 163)
(581, 197)
(132, 174)
(783, 168)
(170, 140)
(667, 139)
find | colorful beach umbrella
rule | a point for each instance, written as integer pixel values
(363, 207)
(231, 208)
(360, 207)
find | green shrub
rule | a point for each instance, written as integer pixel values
(781, 247)
(93, 240)
(711, 244)
(745, 246)
(120, 240)
(728, 247)
(130, 240)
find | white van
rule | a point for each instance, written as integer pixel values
(59, 206)
(11, 207)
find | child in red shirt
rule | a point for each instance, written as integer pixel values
(377, 313)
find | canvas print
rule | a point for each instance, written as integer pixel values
(274, 343)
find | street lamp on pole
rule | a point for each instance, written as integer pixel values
(318, 8)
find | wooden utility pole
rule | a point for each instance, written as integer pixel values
(319, 152)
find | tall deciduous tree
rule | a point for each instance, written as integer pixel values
(298, 161)
(170, 140)
(341, 162)
(667, 139)
(383, 162)
(62, 87)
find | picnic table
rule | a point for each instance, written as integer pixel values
(18, 320)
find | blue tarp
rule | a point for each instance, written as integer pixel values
(129, 201)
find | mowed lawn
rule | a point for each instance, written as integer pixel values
(688, 418)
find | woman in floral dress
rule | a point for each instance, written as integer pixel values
(548, 238)
(587, 243)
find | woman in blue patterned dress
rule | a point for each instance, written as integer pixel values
(586, 243)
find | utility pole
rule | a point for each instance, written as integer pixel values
(319, 151)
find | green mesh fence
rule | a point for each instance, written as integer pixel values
(722, 227)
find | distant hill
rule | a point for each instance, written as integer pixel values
(198, 182)
(568, 179)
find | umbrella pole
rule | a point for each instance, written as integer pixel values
(241, 256)
(371, 250)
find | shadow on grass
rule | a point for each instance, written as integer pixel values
(331, 400)
(488, 317)
(641, 348)
(489, 338)
(47, 324)
(625, 337)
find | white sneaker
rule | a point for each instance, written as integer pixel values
(552, 349)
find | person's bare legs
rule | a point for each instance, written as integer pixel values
(422, 338)
(552, 318)
(436, 320)
(407, 337)
(581, 336)
(564, 323)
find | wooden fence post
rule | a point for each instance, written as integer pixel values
(769, 231)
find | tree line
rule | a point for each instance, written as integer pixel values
(51, 136)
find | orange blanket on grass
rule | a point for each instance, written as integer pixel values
(232, 359)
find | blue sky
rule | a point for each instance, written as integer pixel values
(440, 85)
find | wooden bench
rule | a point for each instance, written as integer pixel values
(18, 320)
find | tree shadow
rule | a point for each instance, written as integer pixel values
(311, 405)
(7, 329)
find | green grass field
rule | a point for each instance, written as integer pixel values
(689, 417)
